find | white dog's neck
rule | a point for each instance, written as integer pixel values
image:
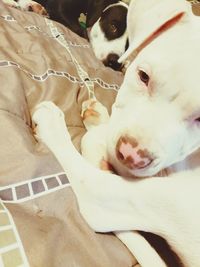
(191, 162)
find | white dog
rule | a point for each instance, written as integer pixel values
(154, 125)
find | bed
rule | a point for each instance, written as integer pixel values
(40, 224)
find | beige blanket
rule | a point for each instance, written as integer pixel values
(40, 225)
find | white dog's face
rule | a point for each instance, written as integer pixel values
(155, 120)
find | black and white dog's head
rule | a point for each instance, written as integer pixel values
(106, 24)
(108, 35)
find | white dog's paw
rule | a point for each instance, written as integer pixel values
(50, 122)
(93, 113)
(36, 8)
(11, 3)
(47, 110)
(27, 5)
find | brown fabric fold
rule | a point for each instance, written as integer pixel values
(40, 220)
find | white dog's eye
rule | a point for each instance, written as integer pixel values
(144, 77)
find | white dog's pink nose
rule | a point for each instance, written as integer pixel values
(131, 154)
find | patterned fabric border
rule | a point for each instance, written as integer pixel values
(30, 189)
(44, 76)
(87, 81)
(36, 28)
(8, 18)
(82, 73)
(50, 72)
(105, 85)
(11, 249)
(82, 80)
(33, 27)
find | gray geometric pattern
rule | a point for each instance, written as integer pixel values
(8, 18)
(33, 27)
(44, 76)
(34, 188)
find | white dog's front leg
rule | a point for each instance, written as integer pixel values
(111, 203)
(94, 149)
(145, 254)
(11, 3)
(98, 192)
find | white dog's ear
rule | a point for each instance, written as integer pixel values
(147, 19)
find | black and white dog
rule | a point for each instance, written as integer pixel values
(108, 35)
(105, 23)
(105, 19)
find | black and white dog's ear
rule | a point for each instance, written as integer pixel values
(95, 8)
(147, 20)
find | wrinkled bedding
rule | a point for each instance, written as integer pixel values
(40, 225)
